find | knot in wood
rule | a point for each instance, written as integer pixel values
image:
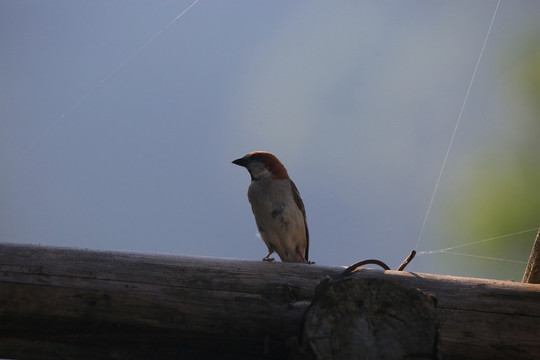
(370, 319)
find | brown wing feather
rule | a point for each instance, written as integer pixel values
(300, 204)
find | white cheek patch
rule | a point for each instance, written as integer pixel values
(259, 171)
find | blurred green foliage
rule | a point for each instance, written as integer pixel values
(499, 194)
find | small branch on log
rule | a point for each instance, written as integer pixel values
(352, 268)
(356, 265)
(407, 261)
(532, 271)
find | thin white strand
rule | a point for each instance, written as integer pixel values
(106, 78)
(456, 127)
(427, 252)
(129, 58)
(484, 257)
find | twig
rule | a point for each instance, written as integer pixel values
(356, 265)
(407, 261)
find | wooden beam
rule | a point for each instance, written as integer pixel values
(79, 304)
(532, 271)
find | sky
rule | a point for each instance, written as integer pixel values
(118, 125)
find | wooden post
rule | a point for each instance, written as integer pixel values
(58, 303)
(532, 271)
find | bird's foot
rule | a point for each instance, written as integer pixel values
(268, 259)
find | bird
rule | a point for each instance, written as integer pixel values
(279, 211)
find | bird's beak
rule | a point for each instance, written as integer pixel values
(240, 162)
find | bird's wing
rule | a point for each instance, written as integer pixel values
(300, 204)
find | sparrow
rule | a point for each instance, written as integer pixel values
(277, 206)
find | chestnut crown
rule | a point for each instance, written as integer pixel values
(261, 164)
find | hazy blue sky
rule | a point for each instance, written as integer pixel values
(103, 149)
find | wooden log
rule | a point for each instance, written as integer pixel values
(370, 319)
(532, 271)
(58, 303)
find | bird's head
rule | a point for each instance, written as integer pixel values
(261, 164)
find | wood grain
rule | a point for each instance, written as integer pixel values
(61, 303)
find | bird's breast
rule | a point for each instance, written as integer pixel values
(273, 205)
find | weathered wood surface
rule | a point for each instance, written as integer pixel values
(532, 271)
(370, 319)
(56, 301)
